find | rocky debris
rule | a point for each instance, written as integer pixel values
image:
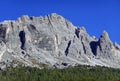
(53, 41)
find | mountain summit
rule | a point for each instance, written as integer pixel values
(53, 41)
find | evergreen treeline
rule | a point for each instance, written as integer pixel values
(79, 73)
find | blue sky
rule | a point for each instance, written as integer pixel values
(95, 15)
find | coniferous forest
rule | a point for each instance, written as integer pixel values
(78, 73)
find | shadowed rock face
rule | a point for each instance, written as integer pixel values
(2, 33)
(53, 41)
(93, 45)
(22, 39)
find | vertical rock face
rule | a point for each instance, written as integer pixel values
(52, 41)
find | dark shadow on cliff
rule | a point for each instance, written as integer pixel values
(22, 39)
(93, 46)
(67, 49)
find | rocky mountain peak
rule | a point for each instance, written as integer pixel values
(105, 42)
(105, 37)
(24, 18)
(53, 41)
(54, 15)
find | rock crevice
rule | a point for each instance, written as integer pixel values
(67, 49)
(22, 39)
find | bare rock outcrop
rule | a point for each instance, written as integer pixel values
(53, 41)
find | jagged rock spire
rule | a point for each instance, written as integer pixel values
(105, 37)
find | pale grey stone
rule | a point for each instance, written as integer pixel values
(53, 41)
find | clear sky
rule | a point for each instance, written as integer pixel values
(95, 15)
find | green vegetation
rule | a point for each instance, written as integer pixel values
(79, 73)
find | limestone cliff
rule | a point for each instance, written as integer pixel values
(53, 41)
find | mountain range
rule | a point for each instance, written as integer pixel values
(53, 41)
